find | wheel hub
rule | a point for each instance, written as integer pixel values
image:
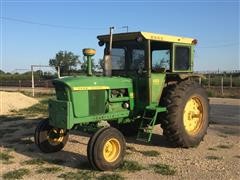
(193, 115)
(111, 150)
(55, 136)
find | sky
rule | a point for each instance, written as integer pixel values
(33, 31)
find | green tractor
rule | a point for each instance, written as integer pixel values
(148, 80)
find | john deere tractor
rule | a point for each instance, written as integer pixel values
(148, 80)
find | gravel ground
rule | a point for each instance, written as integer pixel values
(217, 157)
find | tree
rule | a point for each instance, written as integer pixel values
(96, 66)
(2, 72)
(67, 61)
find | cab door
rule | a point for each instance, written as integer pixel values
(160, 61)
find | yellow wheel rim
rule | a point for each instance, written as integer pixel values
(193, 116)
(111, 150)
(55, 136)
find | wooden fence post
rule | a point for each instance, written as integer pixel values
(231, 81)
(200, 80)
(222, 85)
(209, 81)
(19, 85)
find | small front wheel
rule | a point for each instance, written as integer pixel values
(48, 138)
(108, 149)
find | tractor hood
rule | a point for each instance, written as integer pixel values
(79, 83)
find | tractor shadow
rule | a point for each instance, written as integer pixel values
(17, 134)
(157, 140)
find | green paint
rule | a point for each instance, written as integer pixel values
(96, 100)
(157, 85)
(80, 103)
(122, 98)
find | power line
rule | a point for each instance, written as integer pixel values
(118, 1)
(51, 25)
(57, 25)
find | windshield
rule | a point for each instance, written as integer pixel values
(128, 55)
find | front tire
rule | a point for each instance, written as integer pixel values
(107, 149)
(186, 121)
(50, 139)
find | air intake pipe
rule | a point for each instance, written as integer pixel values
(88, 52)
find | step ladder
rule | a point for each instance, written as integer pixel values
(148, 122)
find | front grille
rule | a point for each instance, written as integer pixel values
(96, 102)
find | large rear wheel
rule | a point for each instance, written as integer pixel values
(186, 121)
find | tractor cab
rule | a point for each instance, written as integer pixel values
(149, 60)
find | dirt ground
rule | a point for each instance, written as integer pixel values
(10, 101)
(217, 157)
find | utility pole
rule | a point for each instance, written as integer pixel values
(32, 81)
(125, 27)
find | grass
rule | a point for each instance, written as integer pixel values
(131, 166)
(27, 125)
(56, 161)
(26, 141)
(212, 149)
(231, 132)
(74, 141)
(84, 165)
(7, 162)
(39, 108)
(48, 170)
(10, 119)
(39, 94)
(13, 141)
(222, 135)
(83, 175)
(30, 149)
(5, 156)
(33, 162)
(20, 141)
(7, 131)
(163, 169)
(110, 177)
(131, 148)
(151, 153)
(222, 146)
(228, 92)
(214, 158)
(16, 174)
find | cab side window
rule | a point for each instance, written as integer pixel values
(182, 58)
(138, 59)
(160, 60)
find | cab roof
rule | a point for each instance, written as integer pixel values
(148, 36)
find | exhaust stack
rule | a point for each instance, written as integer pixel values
(108, 58)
